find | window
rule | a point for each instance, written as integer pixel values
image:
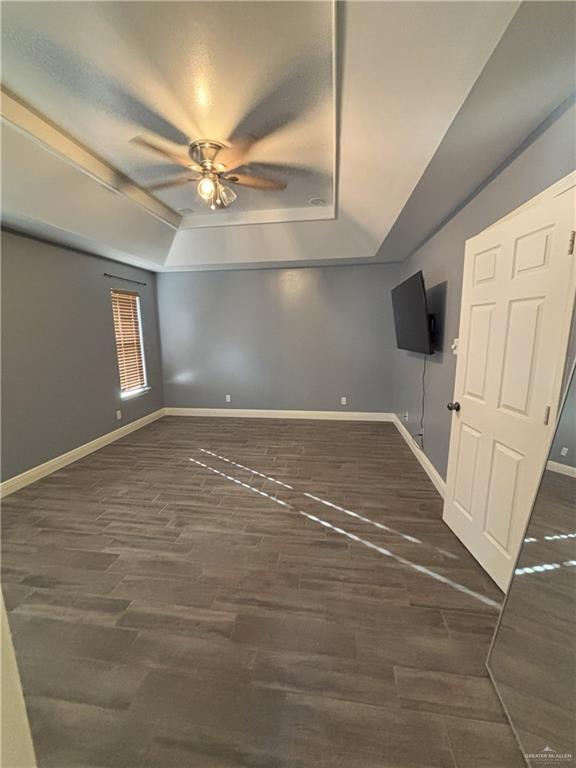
(129, 345)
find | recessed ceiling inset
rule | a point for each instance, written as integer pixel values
(178, 72)
(257, 76)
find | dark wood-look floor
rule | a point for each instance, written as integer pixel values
(534, 654)
(166, 615)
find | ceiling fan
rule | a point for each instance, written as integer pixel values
(213, 165)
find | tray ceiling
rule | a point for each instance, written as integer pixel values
(109, 71)
(105, 72)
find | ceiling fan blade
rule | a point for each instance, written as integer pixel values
(158, 167)
(235, 155)
(152, 145)
(255, 182)
(288, 99)
(262, 166)
(172, 183)
(81, 77)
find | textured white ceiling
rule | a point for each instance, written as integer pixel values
(406, 69)
(102, 69)
(107, 71)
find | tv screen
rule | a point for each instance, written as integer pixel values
(411, 315)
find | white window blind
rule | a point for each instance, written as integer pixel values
(129, 345)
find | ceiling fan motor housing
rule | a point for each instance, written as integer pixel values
(204, 151)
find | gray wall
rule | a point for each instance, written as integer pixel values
(550, 157)
(60, 385)
(291, 339)
(274, 339)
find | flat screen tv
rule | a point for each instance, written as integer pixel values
(411, 319)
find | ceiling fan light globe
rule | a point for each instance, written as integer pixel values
(227, 195)
(206, 189)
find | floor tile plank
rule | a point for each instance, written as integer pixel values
(205, 593)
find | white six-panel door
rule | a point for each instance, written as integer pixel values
(517, 300)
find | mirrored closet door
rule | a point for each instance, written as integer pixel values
(533, 657)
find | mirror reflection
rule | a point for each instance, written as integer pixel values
(533, 658)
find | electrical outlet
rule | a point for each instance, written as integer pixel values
(563, 451)
(118, 415)
(343, 401)
(405, 415)
(418, 439)
(228, 398)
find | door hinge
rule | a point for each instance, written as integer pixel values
(571, 246)
(546, 415)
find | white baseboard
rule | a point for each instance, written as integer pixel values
(562, 469)
(36, 473)
(239, 413)
(42, 470)
(427, 466)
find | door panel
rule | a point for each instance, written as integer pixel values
(504, 472)
(517, 298)
(479, 341)
(532, 250)
(485, 266)
(520, 357)
(467, 461)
